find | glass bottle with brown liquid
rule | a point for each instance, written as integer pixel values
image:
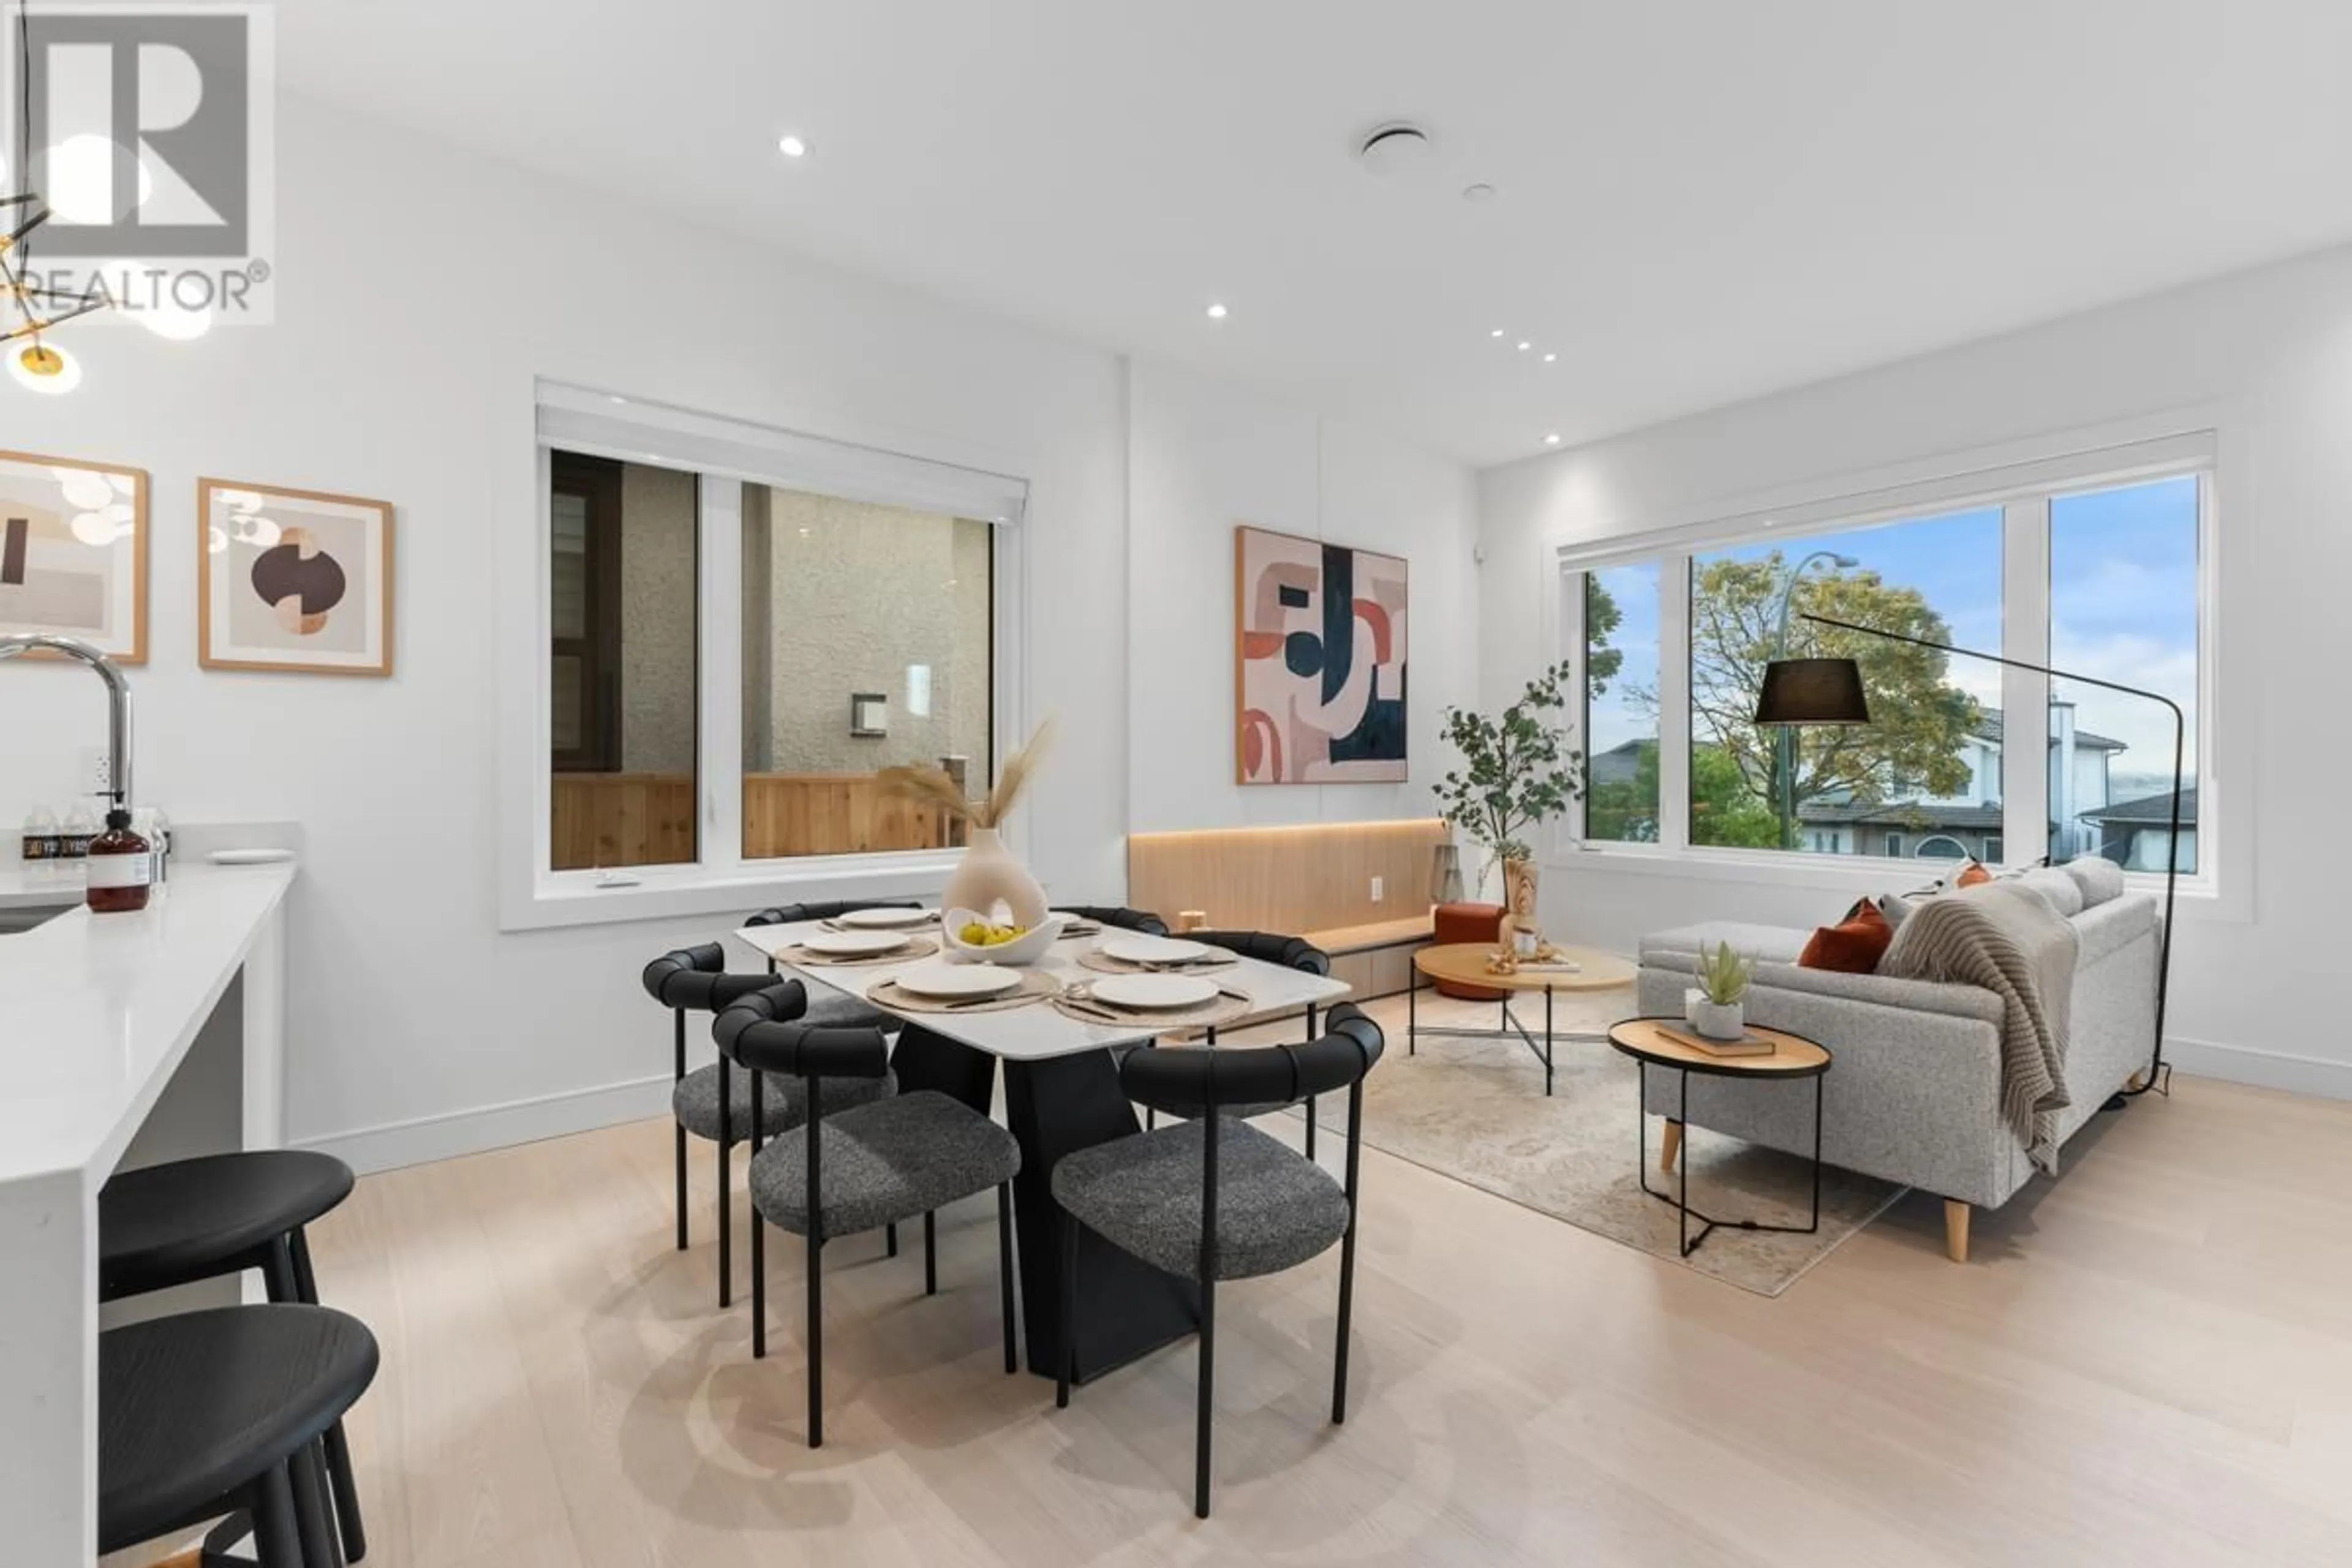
(120, 868)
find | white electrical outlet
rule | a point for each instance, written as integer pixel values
(1380, 889)
(97, 771)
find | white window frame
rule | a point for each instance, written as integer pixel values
(726, 454)
(2020, 479)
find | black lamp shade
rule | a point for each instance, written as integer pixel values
(1812, 691)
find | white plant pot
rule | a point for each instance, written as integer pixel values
(1720, 1020)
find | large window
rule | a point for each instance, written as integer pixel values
(1620, 702)
(739, 630)
(620, 663)
(867, 638)
(1924, 778)
(2063, 562)
(2123, 607)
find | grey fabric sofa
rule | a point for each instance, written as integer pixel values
(1914, 1095)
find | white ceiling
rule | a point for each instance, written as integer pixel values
(1700, 200)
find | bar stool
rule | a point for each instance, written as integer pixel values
(215, 1215)
(201, 1414)
(714, 1102)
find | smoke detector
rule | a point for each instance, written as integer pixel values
(1394, 148)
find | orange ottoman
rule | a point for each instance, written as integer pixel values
(1467, 923)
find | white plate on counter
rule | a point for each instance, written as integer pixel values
(1155, 992)
(884, 919)
(853, 943)
(1153, 949)
(948, 981)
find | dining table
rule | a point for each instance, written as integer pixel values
(1061, 1094)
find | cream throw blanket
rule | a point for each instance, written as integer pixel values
(2014, 943)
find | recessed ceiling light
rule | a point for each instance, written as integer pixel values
(1478, 193)
(793, 147)
(1551, 440)
(1216, 312)
(1548, 358)
(1525, 346)
(1495, 333)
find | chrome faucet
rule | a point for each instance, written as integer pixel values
(118, 691)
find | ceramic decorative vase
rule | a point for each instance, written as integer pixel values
(1519, 894)
(1720, 1020)
(987, 876)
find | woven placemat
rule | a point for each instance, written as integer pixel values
(1035, 985)
(1077, 1001)
(1096, 958)
(920, 947)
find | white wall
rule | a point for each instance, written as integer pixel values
(416, 1026)
(423, 290)
(1206, 456)
(2269, 355)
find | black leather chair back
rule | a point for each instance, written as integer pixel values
(764, 1032)
(1270, 947)
(1188, 1082)
(696, 977)
(793, 914)
(1143, 921)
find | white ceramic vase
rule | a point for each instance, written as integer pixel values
(988, 876)
(1720, 1020)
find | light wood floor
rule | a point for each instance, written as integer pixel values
(2149, 1362)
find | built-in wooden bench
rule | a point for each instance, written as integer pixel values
(1314, 880)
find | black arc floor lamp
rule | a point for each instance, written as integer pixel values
(1805, 691)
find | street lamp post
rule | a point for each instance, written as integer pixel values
(1784, 761)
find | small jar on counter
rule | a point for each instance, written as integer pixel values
(121, 867)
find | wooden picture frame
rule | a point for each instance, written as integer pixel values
(261, 597)
(58, 531)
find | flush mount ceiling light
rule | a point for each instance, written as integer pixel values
(28, 309)
(1217, 312)
(1393, 148)
(791, 146)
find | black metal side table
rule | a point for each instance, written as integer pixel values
(1793, 1057)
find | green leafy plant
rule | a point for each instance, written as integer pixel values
(1518, 770)
(1723, 974)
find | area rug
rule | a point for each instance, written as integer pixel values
(1474, 1109)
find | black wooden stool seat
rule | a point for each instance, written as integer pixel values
(194, 1220)
(201, 1414)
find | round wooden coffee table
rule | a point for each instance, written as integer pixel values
(1464, 963)
(1652, 1042)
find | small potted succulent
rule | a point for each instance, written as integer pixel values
(1721, 1012)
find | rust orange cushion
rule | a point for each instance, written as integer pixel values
(1467, 923)
(1972, 875)
(1854, 945)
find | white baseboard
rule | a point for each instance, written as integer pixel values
(2262, 1069)
(455, 1133)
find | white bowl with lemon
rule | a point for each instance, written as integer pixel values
(981, 939)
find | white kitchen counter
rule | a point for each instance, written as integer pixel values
(98, 1015)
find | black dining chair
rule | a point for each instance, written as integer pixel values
(1212, 1198)
(857, 1168)
(221, 1412)
(1290, 953)
(184, 1220)
(714, 1102)
(794, 914)
(1142, 921)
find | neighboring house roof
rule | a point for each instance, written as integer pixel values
(1907, 815)
(1990, 730)
(2149, 811)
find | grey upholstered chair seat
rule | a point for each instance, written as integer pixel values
(1274, 1211)
(694, 1101)
(840, 1010)
(883, 1162)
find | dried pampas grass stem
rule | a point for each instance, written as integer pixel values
(933, 784)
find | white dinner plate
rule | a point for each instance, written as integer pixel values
(853, 943)
(953, 980)
(1163, 993)
(884, 919)
(1153, 949)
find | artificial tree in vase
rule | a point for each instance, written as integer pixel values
(1517, 773)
